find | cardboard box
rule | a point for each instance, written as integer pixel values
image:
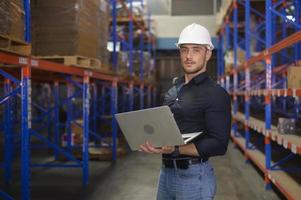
(229, 57)
(294, 77)
(286, 125)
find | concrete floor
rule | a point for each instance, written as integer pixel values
(135, 178)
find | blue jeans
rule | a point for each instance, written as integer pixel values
(195, 183)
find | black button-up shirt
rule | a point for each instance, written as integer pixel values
(202, 105)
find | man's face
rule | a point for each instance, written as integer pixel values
(194, 57)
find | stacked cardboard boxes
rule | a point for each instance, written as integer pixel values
(137, 63)
(294, 77)
(123, 63)
(70, 27)
(229, 61)
(12, 19)
(4, 17)
(105, 15)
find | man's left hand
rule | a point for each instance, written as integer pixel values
(149, 148)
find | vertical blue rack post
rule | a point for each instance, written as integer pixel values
(268, 38)
(219, 59)
(70, 90)
(114, 36)
(26, 126)
(284, 54)
(149, 44)
(131, 39)
(221, 62)
(26, 112)
(141, 55)
(247, 72)
(86, 111)
(131, 96)
(235, 78)
(8, 132)
(114, 100)
(228, 47)
(297, 18)
(27, 36)
(57, 123)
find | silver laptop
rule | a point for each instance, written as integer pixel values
(156, 125)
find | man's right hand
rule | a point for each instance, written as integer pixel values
(147, 147)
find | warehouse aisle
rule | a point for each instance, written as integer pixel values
(135, 177)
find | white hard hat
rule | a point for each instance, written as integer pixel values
(195, 34)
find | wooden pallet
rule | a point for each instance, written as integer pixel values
(13, 45)
(76, 61)
(101, 153)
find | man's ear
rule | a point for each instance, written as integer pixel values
(208, 55)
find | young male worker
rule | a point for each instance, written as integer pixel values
(198, 104)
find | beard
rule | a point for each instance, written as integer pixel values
(193, 69)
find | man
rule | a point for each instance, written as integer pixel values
(198, 104)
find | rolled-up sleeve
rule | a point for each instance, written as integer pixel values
(217, 125)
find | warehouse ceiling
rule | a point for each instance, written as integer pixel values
(183, 8)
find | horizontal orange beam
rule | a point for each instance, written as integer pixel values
(273, 92)
(39, 64)
(288, 41)
(291, 40)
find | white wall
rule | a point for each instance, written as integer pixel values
(223, 10)
(171, 26)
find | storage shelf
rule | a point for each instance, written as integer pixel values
(269, 38)
(288, 186)
(255, 155)
(19, 72)
(284, 182)
(290, 142)
(101, 92)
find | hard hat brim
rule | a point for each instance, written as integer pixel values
(209, 47)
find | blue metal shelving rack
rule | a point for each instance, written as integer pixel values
(141, 92)
(99, 93)
(278, 40)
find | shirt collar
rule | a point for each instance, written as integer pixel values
(197, 80)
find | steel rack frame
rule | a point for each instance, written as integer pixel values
(98, 91)
(18, 80)
(267, 88)
(128, 44)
